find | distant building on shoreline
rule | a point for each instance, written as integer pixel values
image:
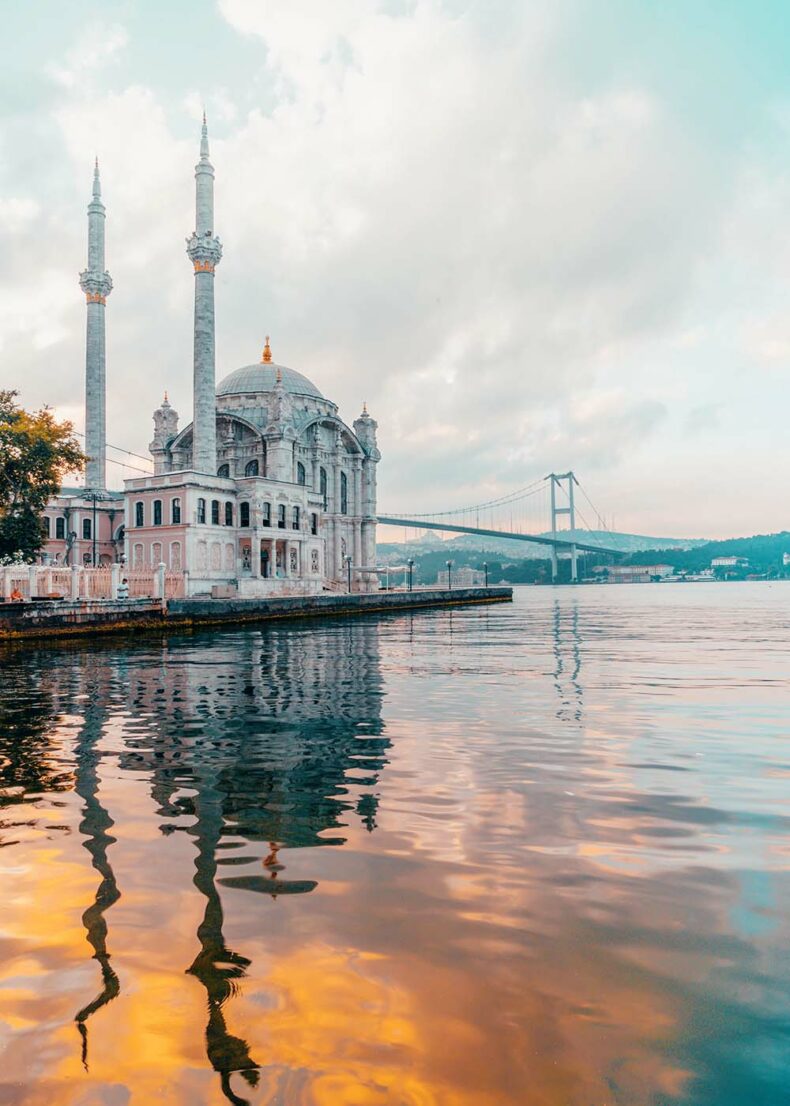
(633, 574)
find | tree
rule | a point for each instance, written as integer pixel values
(35, 452)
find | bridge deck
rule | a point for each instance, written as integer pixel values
(421, 524)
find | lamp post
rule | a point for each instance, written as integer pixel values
(348, 570)
(485, 570)
(410, 563)
(450, 575)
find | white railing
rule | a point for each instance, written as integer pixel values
(78, 582)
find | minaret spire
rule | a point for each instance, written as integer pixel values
(204, 250)
(96, 283)
(204, 139)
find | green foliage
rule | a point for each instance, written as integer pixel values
(763, 551)
(35, 452)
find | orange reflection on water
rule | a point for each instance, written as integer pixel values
(256, 891)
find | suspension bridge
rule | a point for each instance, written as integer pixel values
(535, 513)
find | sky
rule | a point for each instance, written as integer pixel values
(531, 236)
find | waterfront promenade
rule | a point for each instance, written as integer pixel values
(36, 619)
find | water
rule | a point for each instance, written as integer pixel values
(530, 854)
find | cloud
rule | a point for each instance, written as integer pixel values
(96, 48)
(703, 418)
(428, 206)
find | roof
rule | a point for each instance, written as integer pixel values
(262, 378)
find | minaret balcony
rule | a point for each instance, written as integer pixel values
(96, 286)
(204, 251)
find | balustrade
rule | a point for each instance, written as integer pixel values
(88, 583)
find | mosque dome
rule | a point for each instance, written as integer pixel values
(251, 379)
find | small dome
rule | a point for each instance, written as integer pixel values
(262, 378)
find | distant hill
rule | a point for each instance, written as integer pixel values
(518, 562)
(392, 552)
(764, 553)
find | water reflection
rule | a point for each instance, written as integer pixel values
(216, 966)
(557, 875)
(95, 827)
(566, 644)
(249, 751)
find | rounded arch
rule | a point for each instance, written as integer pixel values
(183, 440)
(350, 440)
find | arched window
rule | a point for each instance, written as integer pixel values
(244, 514)
(86, 528)
(47, 525)
(313, 523)
(228, 514)
(223, 470)
(323, 480)
(281, 516)
(301, 475)
(139, 517)
(295, 519)
(252, 468)
(201, 510)
(266, 514)
(157, 512)
(215, 512)
(60, 529)
(343, 494)
(175, 511)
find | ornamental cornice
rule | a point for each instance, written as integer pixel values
(204, 251)
(96, 285)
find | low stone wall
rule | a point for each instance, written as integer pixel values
(211, 611)
(46, 618)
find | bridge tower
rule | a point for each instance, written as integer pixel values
(558, 479)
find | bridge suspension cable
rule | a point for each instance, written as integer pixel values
(511, 497)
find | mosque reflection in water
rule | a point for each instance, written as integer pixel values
(557, 876)
(243, 748)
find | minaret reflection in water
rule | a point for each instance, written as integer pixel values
(95, 827)
(252, 737)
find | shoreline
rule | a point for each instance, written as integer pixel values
(58, 619)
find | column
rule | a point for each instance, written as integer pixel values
(255, 554)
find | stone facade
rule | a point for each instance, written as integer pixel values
(266, 491)
(83, 528)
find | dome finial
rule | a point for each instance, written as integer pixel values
(267, 353)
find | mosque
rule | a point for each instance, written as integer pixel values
(267, 490)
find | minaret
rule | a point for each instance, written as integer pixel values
(205, 251)
(96, 283)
